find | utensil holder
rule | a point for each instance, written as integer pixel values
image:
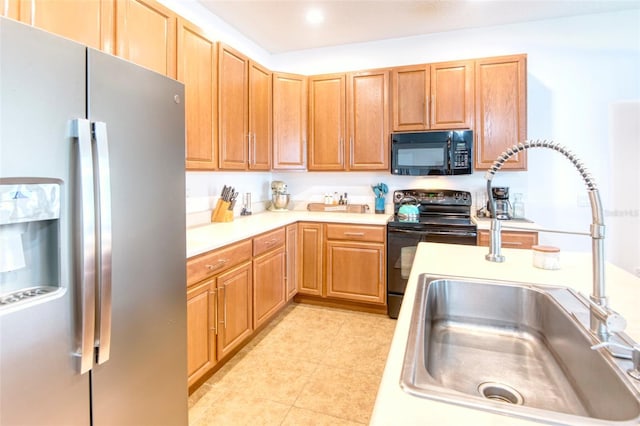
(379, 208)
(221, 213)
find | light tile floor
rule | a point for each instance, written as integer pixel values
(310, 366)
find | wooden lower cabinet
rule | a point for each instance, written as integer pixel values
(292, 261)
(356, 271)
(343, 262)
(219, 306)
(511, 239)
(201, 330)
(235, 313)
(355, 263)
(311, 245)
(268, 285)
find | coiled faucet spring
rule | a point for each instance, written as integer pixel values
(597, 224)
(542, 143)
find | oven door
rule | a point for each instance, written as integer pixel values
(401, 249)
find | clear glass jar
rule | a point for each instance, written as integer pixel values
(518, 206)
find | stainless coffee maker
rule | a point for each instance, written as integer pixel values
(279, 196)
(503, 206)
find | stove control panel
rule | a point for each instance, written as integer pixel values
(432, 196)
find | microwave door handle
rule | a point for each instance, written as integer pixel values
(85, 258)
(103, 194)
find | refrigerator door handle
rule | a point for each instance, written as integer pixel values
(103, 205)
(86, 256)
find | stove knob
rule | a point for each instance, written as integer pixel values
(398, 196)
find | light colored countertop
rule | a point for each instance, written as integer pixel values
(202, 239)
(395, 407)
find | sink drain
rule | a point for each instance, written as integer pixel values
(500, 392)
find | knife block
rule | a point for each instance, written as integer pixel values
(222, 213)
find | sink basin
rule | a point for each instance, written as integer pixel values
(515, 349)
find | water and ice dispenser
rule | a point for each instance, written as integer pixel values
(29, 240)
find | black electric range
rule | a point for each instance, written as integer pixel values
(444, 216)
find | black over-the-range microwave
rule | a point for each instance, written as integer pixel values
(432, 153)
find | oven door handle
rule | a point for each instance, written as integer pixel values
(445, 233)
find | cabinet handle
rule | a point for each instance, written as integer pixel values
(214, 302)
(224, 312)
(270, 242)
(354, 234)
(218, 264)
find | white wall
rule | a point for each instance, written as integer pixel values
(579, 69)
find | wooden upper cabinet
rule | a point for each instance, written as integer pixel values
(410, 97)
(452, 95)
(433, 96)
(146, 35)
(233, 68)
(260, 117)
(10, 9)
(368, 110)
(89, 22)
(289, 122)
(501, 110)
(327, 125)
(197, 69)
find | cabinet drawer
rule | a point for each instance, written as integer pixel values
(268, 241)
(216, 261)
(356, 232)
(511, 239)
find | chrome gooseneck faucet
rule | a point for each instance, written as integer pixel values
(598, 296)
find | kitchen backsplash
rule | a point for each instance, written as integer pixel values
(203, 188)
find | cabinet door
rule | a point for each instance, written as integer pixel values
(452, 95)
(260, 96)
(10, 9)
(146, 35)
(511, 239)
(501, 110)
(232, 109)
(311, 258)
(327, 127)
(410, 97)
(289, 122)
(356, 271)
(291, 276)
(197, 56)
(368, 107)
(268, 285)
(201, 330)
(89, 22)
(235, 317)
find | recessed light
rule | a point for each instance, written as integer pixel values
(315, 16)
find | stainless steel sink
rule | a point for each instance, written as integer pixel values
(515, 349)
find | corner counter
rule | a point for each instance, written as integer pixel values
(201, 239)
(394, 406)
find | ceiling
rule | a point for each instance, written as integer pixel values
(280, 26)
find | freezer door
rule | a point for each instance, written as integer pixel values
(144, 380)
(42, 89)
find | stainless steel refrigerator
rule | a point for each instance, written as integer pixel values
(92, 237)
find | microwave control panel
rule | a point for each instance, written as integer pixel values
(460, 156)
